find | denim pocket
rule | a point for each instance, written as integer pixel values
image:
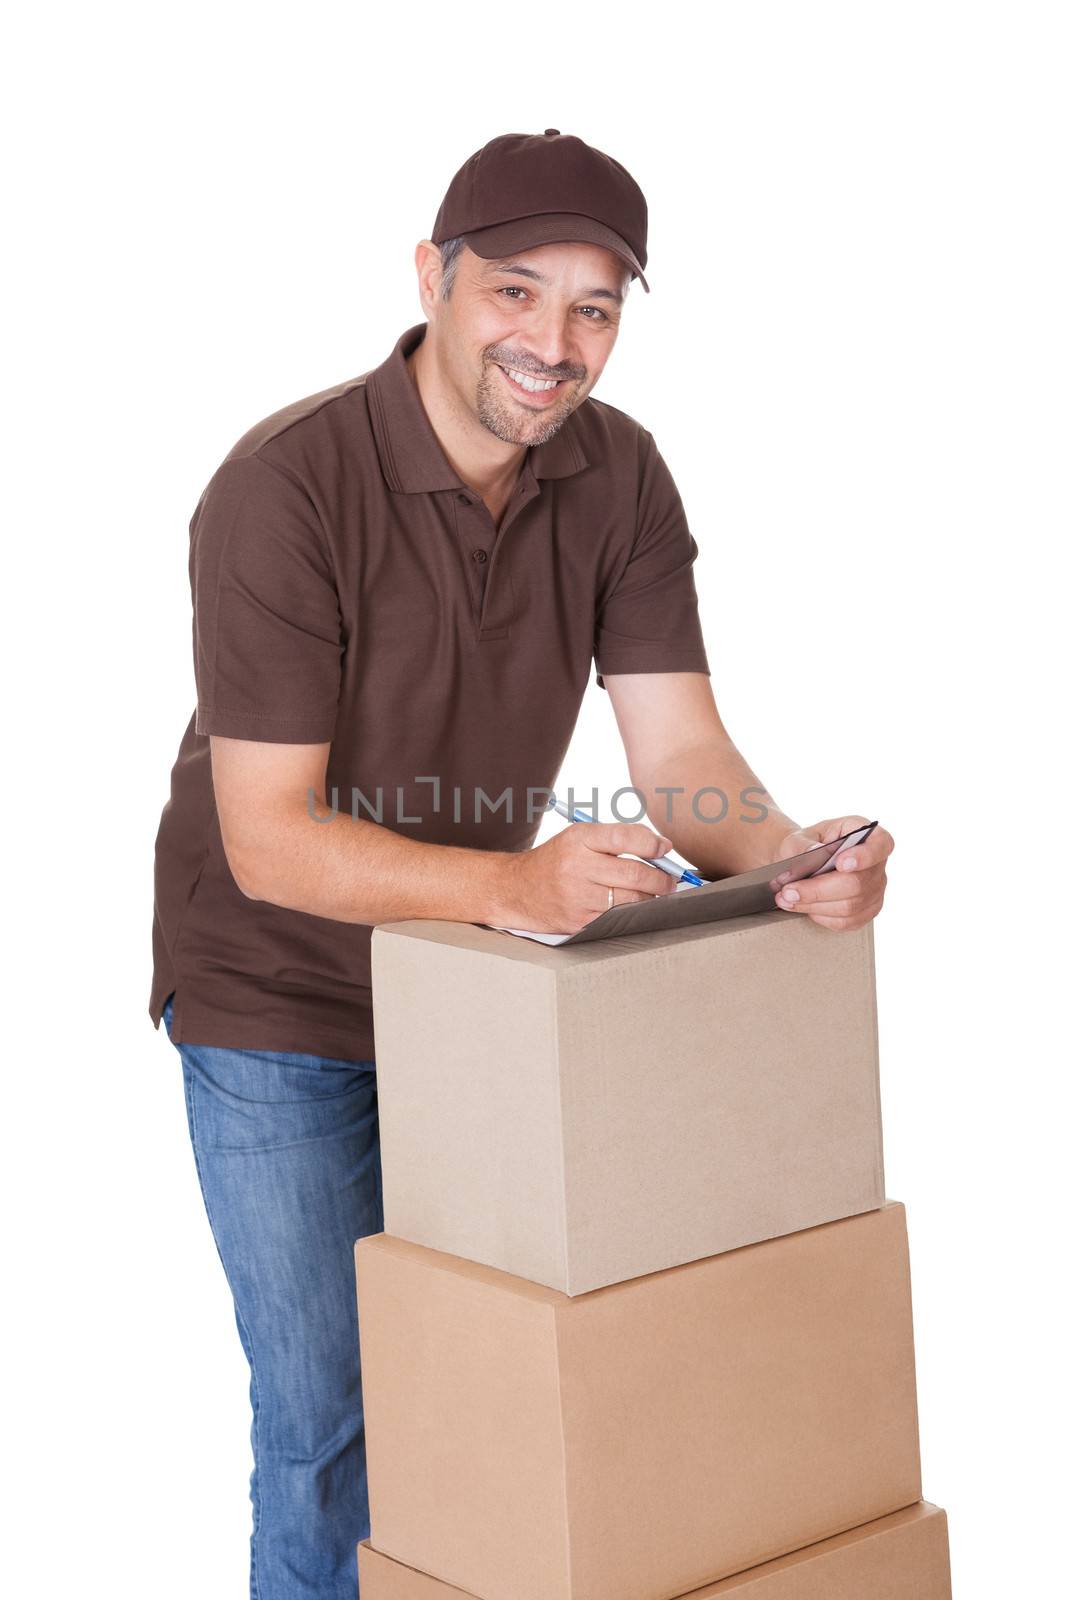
(249, 1100)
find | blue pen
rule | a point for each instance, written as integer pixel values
(665, 863)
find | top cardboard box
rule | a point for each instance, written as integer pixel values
(583, 1116)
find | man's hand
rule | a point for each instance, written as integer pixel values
(559, 886)
(851, 893)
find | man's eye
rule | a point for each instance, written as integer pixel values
(599, 315)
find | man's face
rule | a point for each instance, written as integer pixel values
(547, 314)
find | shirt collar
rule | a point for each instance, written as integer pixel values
(411, 456)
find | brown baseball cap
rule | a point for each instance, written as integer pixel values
(526, 189)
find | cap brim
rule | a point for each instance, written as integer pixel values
(555, 227)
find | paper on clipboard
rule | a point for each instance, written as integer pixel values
(686, 906)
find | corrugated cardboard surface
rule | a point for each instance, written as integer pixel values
(580, 1117)
(900, 1557)
(644, 1438)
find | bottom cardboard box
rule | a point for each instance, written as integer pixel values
(900, 1557)
(647, 1437)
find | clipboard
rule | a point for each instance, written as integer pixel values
(740, 896)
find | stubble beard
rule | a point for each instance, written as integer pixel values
(501, 416)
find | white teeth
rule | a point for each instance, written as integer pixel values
(533, 384)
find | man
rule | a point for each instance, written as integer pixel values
(399, 586)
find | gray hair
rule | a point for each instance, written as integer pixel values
(451, 250)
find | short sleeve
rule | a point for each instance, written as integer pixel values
(267, 638)
(650, 621)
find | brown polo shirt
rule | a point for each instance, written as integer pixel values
(349, 588)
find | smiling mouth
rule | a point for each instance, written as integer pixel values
(535, 388)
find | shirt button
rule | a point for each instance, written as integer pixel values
(479, 555)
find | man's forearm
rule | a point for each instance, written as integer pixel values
(354, 870)
(714, 809)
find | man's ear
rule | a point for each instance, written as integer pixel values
(429, 269)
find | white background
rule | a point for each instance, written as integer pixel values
(853, 360)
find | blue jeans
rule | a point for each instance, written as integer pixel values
(287, 1154)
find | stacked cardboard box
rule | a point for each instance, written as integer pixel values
(639, 1324)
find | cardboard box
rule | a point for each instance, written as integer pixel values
(644, 1438)
(900, 1557)
(579, 1117)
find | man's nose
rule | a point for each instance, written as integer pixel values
(547, 339)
